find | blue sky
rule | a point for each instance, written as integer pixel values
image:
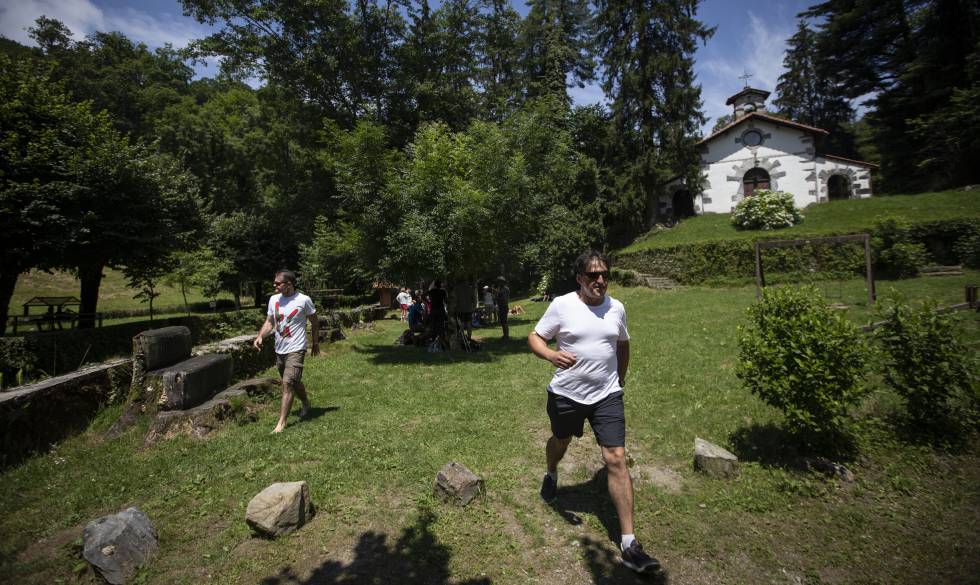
(750, 36)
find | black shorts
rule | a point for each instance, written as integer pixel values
(606, 417)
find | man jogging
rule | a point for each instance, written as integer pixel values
(287, 314)
(591, 358)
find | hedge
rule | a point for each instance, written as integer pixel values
(948, 242)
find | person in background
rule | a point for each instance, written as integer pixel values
(404, 300)
(465, 305)
(491, 308)
(502, 300)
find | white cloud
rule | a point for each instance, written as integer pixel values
(83, 18)
(759, 53)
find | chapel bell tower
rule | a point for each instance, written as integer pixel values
(747, 101)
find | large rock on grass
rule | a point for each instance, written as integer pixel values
(714, 460)
(457, 484)
(280, 508)
(119, 544)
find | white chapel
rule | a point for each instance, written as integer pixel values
(759, 150)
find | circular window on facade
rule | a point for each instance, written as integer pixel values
(752, 138)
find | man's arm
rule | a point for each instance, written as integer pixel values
(315, 326)
(263, 332)
(560, 359)
(622, 360)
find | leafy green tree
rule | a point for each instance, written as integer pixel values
(199, 268)
(647, 55)
(135, 85)
(333, 257)
(43, 139)
(812, 97)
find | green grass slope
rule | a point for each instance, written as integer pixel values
(387, 418)
(835, 217)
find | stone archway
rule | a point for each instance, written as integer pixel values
(770, 166)
(682, 203)
(838, 187)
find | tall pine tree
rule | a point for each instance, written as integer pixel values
(913, 58)
(647, 54)
(556, 47)
(812, 97)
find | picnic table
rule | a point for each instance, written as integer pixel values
(56, 313)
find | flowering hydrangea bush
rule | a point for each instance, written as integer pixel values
(766, 210)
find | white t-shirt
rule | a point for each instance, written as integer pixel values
(488, 298)
(289, 315)
(404, 298)
(591, 334)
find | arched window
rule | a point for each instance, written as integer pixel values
(755, 179)
(838, 187)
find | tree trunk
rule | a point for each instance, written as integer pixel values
(90, 276)
(8, 280)
(183, 292)
(258, 294)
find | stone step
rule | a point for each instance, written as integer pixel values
(659, 282)
(191, 382)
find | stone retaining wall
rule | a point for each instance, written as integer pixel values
(36, 415)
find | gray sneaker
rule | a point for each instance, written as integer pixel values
(549, 489)
(639, 561)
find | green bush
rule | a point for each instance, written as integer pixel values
(898, 252)
(624, 277)
(803, 358)
(766, 210)
(929, 367)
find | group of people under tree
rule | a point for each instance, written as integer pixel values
(427, 312)
(591, 360)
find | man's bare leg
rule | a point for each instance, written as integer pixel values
(288, 390)
(620, 486)
(554, 451)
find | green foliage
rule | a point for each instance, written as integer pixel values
(898, 254)
(766, 210)
(333, 258)
(926, 363)
(804, 359)
(624, 277)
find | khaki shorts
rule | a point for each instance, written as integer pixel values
(291, 367)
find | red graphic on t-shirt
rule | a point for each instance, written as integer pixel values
(281, 318)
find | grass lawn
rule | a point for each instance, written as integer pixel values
(835, 217)
(387, 418)
(114, 293)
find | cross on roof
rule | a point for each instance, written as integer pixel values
(745, 78)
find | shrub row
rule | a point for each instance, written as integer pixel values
(810, 362)
(946, 242)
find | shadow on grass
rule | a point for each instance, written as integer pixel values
(316, 412)
(773, 446)
(416, 558)
(492, 349)
(603, 559)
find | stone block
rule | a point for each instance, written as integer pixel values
(280, 508)
(119, 544)
(159, 348)
(192, 382)
(247, 360)
(198, 422)
(714, 460)
(457, 484)
(256, 388)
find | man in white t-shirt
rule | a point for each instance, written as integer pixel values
(591, 358)
(288, 312)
